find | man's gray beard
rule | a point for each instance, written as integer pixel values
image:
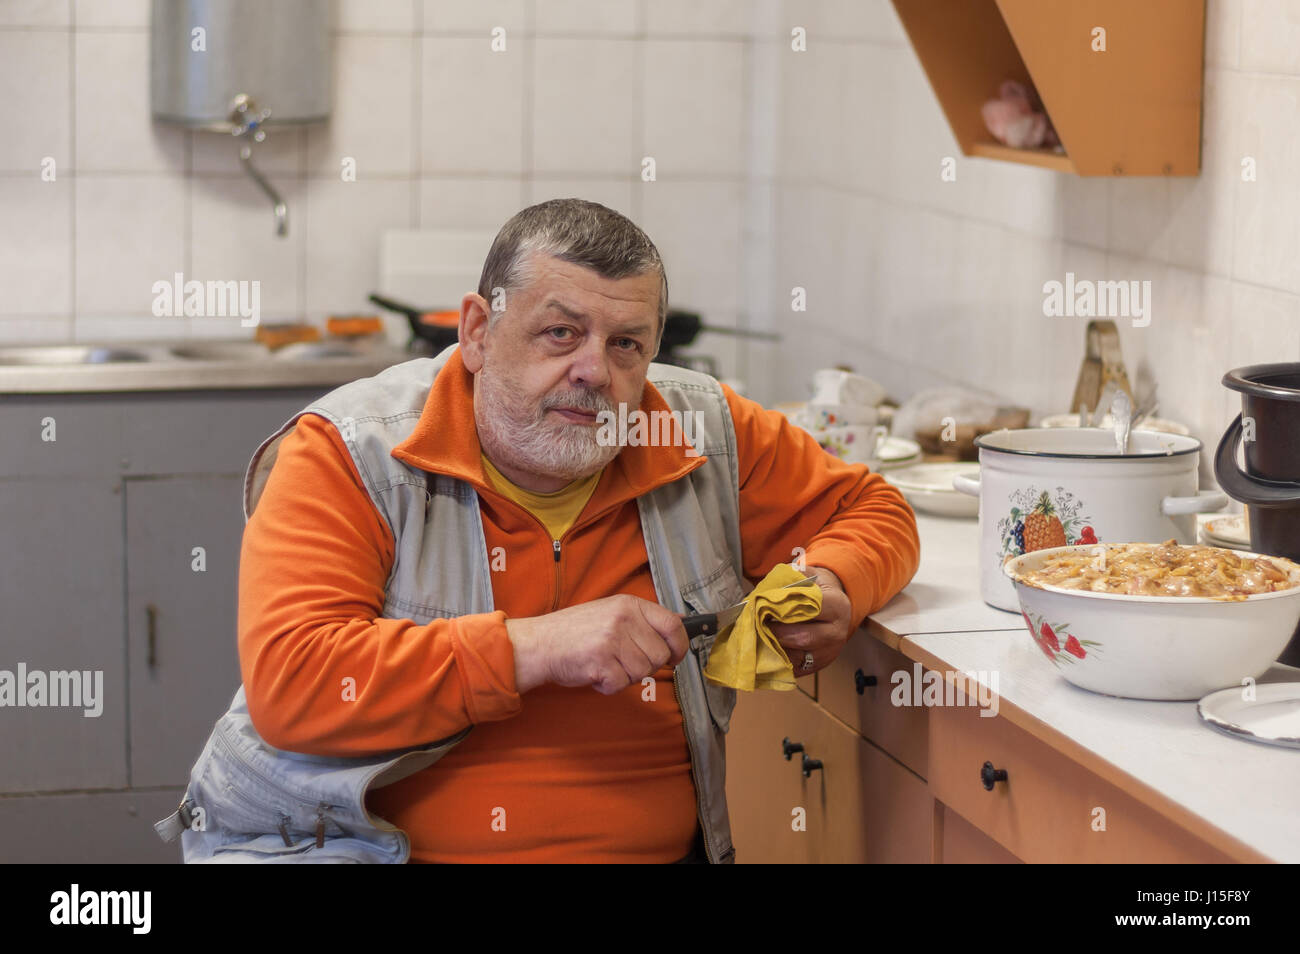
(529, 439)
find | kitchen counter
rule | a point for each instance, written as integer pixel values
(189, 365)
(1238, 796)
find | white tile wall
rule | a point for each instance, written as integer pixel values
(344, 222)
(581, 17)
(34, 112)
(130, 233)
(36, 245)
(695, 107)
(1270, 36)
(697, 228)
(953, 272)
(115, 132)
(621, 195)
(371, 107)
(696, 20)
(469, 202)
(774, 168)
(472, 99)
(111, 13)
(232, 238)
(376, 16)
(475, 16)
(586, 105)
(36, 13)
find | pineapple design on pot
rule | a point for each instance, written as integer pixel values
(1043, 527)
(1040, 519)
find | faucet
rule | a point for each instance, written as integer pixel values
(246, 120)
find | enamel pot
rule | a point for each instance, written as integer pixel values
(1058, 486)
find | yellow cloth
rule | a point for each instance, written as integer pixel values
(746, 654)
(557, 510)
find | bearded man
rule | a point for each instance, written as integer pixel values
(451, 587)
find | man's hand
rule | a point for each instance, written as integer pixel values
(824, 636)
(607, 644)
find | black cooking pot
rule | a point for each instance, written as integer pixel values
(1270, 484)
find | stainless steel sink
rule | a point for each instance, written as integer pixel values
(189, 365)
(46, 355)
(221, 351)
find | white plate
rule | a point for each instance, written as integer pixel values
(1272, 717)
(928, 488)
(1231, 529)
(894, 451)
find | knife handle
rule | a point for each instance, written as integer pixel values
(704, 624)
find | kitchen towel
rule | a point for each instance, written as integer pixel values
(746, 655)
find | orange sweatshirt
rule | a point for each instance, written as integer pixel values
(563, 774)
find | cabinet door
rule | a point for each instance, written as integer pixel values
(873, 810)
(859, 806)
(858, 688)
(1048, 808)
(964, 844)
(61, 593)
(87, 828)
(184, 662)
(764, 790)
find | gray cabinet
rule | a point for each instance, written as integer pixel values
(97, 548)
(182, 551)
(61, 610)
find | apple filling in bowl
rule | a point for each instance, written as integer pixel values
(1164, 569)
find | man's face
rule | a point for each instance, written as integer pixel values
(569, 345)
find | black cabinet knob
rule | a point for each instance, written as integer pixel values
(989, 775)
(789, 748)
(810, 765)
(862, 680)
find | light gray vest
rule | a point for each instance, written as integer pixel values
(247, 801)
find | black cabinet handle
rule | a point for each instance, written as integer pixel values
(151, 616)
(810, 765)
(862, 680)
(789, 748)
(989, 775)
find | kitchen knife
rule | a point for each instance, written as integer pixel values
(706, 624)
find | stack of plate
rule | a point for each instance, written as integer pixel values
(1225, 530)
(928, 488)
(895, 452)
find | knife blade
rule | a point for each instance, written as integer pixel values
(706, 624)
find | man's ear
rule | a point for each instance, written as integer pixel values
(472, 330)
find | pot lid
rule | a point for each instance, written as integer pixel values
(1089, 443)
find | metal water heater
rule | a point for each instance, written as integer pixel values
(234, 67)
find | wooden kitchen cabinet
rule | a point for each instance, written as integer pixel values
(860, 805)
(958, 842)
(858, 689)
(181, 635)
(1049, 808)
(869, 803)
(763, 788)
(1130, 109)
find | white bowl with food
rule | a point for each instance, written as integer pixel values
(1157, 620)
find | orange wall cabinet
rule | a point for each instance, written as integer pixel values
(1132, 109)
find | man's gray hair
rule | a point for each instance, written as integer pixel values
(573, 230)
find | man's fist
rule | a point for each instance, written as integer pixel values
(607, 644)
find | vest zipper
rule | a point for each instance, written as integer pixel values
(690, 745)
